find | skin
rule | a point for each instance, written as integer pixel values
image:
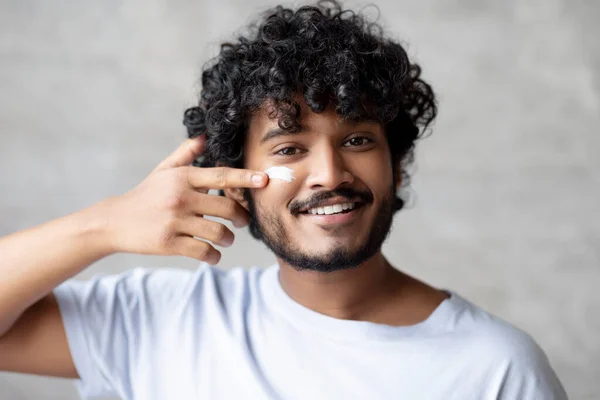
(160, 216)
(330, 153)
(164, 213)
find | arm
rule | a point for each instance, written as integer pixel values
(34, 262)
(163, 215)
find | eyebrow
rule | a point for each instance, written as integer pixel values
(276, 132)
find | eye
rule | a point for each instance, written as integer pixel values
(287, 151)
(357, 141)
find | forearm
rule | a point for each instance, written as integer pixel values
(34, 261)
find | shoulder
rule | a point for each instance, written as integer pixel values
(143, 278)
(511, 357)
(492, 334)
(158, 287)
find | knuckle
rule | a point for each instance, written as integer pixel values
(166, 238)
(185, 171)
(185, 175)
(203, 250)
(175, 201)
(219, 232)
(230, 207)
(220, 176)
(244, 176)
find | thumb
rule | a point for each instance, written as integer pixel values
(185, 154)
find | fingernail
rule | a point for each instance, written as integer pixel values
(258, 179)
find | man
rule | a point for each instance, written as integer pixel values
(320, 95)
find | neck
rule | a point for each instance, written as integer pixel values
(354, 293)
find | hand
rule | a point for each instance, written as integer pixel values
(166, 211)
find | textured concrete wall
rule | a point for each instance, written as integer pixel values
(92, 94)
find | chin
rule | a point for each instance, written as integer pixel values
(329, 250)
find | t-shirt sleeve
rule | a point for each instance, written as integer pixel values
(111, 320)
(529, 375)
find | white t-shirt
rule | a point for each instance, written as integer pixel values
(211, 334)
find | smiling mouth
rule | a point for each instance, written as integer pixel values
(334, 209)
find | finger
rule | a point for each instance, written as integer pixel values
(214, 231)
(219, 206)
(185, 154)
(198, 249)
(225, 177)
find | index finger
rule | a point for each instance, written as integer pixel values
(226, 177)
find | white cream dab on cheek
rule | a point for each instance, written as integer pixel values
(283, 173)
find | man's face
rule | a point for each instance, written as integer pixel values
(336, 164)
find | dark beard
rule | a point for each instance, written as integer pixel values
(269, 228)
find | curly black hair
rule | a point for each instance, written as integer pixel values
(330, 56)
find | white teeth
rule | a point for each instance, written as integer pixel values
(333, 209)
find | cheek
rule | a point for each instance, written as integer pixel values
(375, 171)
(277, 194)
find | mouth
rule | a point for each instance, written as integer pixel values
(332, 205)
(333, 215)
(332, 209)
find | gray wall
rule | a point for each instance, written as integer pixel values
(92, 94)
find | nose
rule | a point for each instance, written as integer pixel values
(328, 170)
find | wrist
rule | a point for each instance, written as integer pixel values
(93, 226)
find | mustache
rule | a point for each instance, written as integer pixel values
(352, 195)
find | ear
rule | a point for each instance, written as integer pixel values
(236, 194)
